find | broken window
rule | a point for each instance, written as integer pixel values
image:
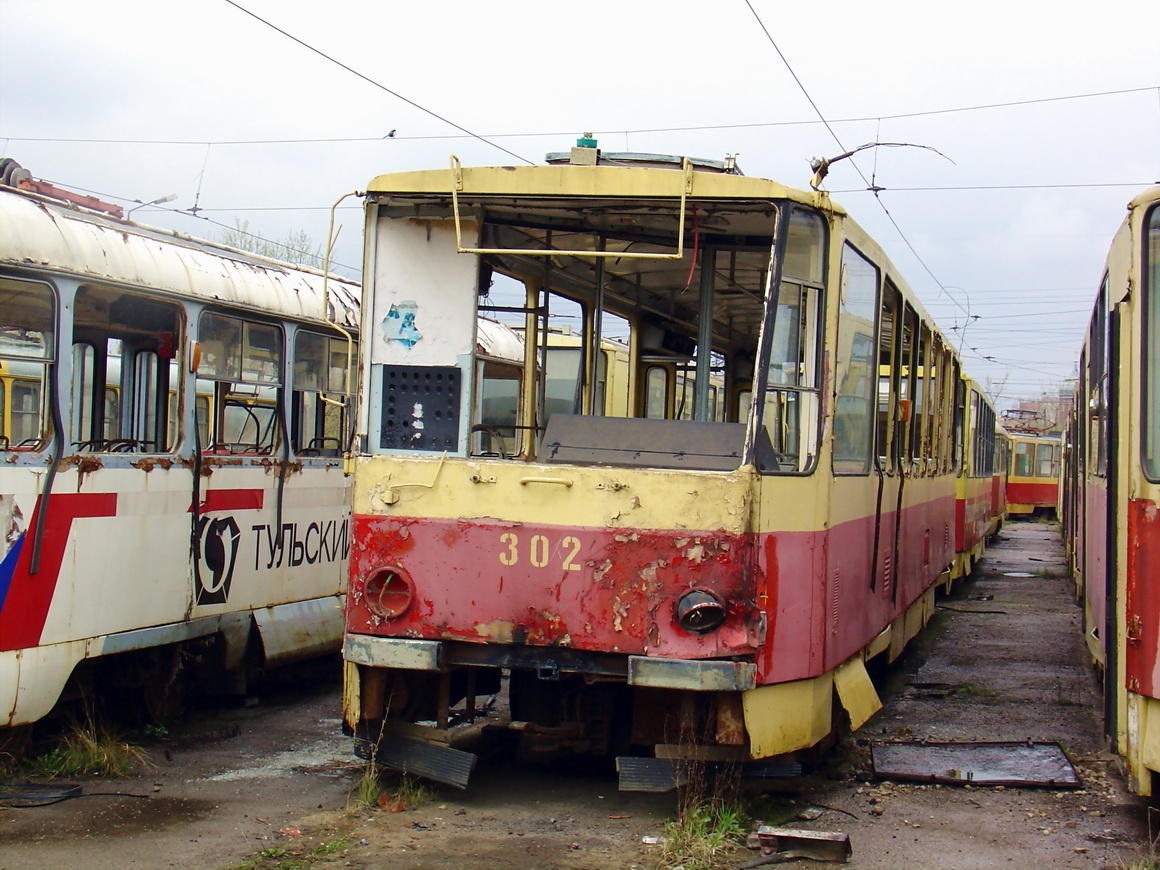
(125, 363)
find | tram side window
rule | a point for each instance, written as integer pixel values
(125, 362)
(792, 406)
(856, 369)
(1098, 403)
(242, 362)
(656, 392)
(320, 417)
(1151, 280)
(27, 329)
(1047, 460)
(496, 432)
(1023, 451)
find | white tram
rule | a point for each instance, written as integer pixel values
(171, 484)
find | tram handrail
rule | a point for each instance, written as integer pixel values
(686, 189)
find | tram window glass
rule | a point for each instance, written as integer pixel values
(1047, 460)
(1098, 404)
(1151, 281)
(856, 369)
(125, 345)
(27, 328)
(908, 376)
(792, 393)
(1023, 451)
(321, 410)
(656, 392)
(563, 381)
(244, 360)
(499, 403)
(888, 376)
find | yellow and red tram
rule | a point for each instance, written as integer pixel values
(1033, 485)
(1111, 489)
(704, 569)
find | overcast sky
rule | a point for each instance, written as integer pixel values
(1050, 113)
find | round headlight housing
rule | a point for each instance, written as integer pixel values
(700, 612)
(388, 592)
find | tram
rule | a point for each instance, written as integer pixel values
(171, 475)
(1033, 485)
(1111, 500)
(702, 573)
(977, 510)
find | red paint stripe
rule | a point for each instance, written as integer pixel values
(231, 500)
(1033, 493)
(1143, 606)
(30, 595)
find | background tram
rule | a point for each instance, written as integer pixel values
(171, 481)
(709, 565)
(1111, 493)
(1033, 485)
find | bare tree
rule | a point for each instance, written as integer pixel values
(297, 247)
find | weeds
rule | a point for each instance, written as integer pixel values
(704, 831)
(369, 789)
(88, 749)
(711, 819)
(282, 858)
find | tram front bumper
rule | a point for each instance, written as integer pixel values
(698, 675)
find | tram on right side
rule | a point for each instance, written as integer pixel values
(1110, 504)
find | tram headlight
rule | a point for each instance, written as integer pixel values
(700, 612)
(388, 592)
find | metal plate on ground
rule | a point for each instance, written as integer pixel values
(1042, 765)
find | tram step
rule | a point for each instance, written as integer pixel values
(431, 761)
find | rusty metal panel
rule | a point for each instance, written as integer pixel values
(698, 676)
(795, 843)
(1022, 764)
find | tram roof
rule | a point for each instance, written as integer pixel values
(41, 233)
(636, 179)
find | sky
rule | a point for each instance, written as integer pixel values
(1044, 120)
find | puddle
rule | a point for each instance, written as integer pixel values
(1017, 574)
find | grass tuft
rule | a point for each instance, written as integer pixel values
(88, 749)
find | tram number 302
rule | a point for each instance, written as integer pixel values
(539, 551)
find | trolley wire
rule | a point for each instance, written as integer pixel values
(376, 84)
(556, 134)
(869, 185)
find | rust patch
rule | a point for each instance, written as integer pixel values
(730, 719)
(500, 630)
(148, 465)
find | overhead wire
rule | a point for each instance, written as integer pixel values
(322, 140)
(872, 187)
(376, 84)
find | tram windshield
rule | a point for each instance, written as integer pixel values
(648, 330)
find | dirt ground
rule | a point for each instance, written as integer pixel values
(1001, 660)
